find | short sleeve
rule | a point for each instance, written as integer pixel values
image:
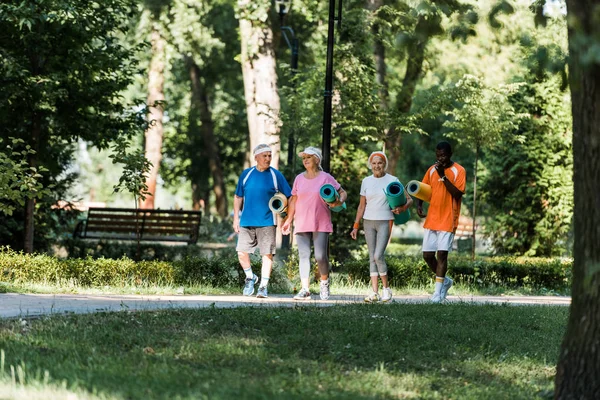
(239, 190)
(426, 177)
(363, 187)
(284, 186)
(461, 180)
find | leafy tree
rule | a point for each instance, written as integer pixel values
(62, 68)
(18, 181)
(527, 185)
(482, 117)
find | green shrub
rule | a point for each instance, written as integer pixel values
(89, 272)
(509, 272)
(150, 251)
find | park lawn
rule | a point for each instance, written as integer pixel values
(393, 351)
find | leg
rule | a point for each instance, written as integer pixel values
(382, 239)
(429, 248)
(321, 241)
(429, 257)
(303, 242)
(267, 266)
(371, 238)
(244, 259)
(246, 244)
(442, 263)
(251, 278)
(375, 283)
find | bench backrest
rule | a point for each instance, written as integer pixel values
(150, 225)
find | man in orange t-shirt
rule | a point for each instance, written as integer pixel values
(447, 180)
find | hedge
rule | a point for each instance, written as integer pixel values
(216, 271)
(508, 272)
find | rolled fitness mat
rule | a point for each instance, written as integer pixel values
(395, 197)
(329, 195)
(420, 190)
(278, 204)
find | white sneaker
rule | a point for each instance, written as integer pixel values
(372, 298)
(436, 299)
(387, 294)
(445, 287)
(304, 294)
(324, 291)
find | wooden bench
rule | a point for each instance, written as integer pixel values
(465, 228)
(139, 224)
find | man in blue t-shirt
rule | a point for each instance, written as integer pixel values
(256, 224)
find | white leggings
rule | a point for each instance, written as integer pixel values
(320, 240)
(377, 233)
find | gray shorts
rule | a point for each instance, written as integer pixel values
(261, 237)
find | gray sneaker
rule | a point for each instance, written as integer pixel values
(249, 286)
(324, 292)
(262, 292)
(304, 294)
(445, 287)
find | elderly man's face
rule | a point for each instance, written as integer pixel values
(263, 160)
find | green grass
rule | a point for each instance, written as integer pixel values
(394, 351)
(339, 285)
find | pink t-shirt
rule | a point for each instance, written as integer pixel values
(312, 214)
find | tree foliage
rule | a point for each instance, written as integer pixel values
(527, 184)
(63, 67)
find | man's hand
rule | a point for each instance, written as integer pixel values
(420, 212)
(440, 169)
(236, 225)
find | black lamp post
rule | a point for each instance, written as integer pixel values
(328, 94)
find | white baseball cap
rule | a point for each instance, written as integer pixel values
(312, 151)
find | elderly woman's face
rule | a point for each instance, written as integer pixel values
(378, 165)
(310, 161)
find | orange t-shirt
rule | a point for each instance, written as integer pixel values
(444, 210)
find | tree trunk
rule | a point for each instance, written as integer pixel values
(414, 69)
(474, 240)
(212, 150)
(260, 81)
(579, 361)
(379, 56)
(36, 135)
(154, 134)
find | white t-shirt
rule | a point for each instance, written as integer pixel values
(374, 190)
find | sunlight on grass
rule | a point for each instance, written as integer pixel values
(362, 351)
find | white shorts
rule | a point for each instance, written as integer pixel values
(437, 240)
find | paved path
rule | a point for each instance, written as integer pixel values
(31, 305)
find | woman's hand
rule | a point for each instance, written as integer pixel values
(399, 209)
(353, 233)
(285, 228)
(334, 204)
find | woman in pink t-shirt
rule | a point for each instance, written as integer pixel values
(312, 218)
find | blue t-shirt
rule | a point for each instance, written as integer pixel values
(257, 190)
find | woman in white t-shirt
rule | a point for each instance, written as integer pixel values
(378, 219)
